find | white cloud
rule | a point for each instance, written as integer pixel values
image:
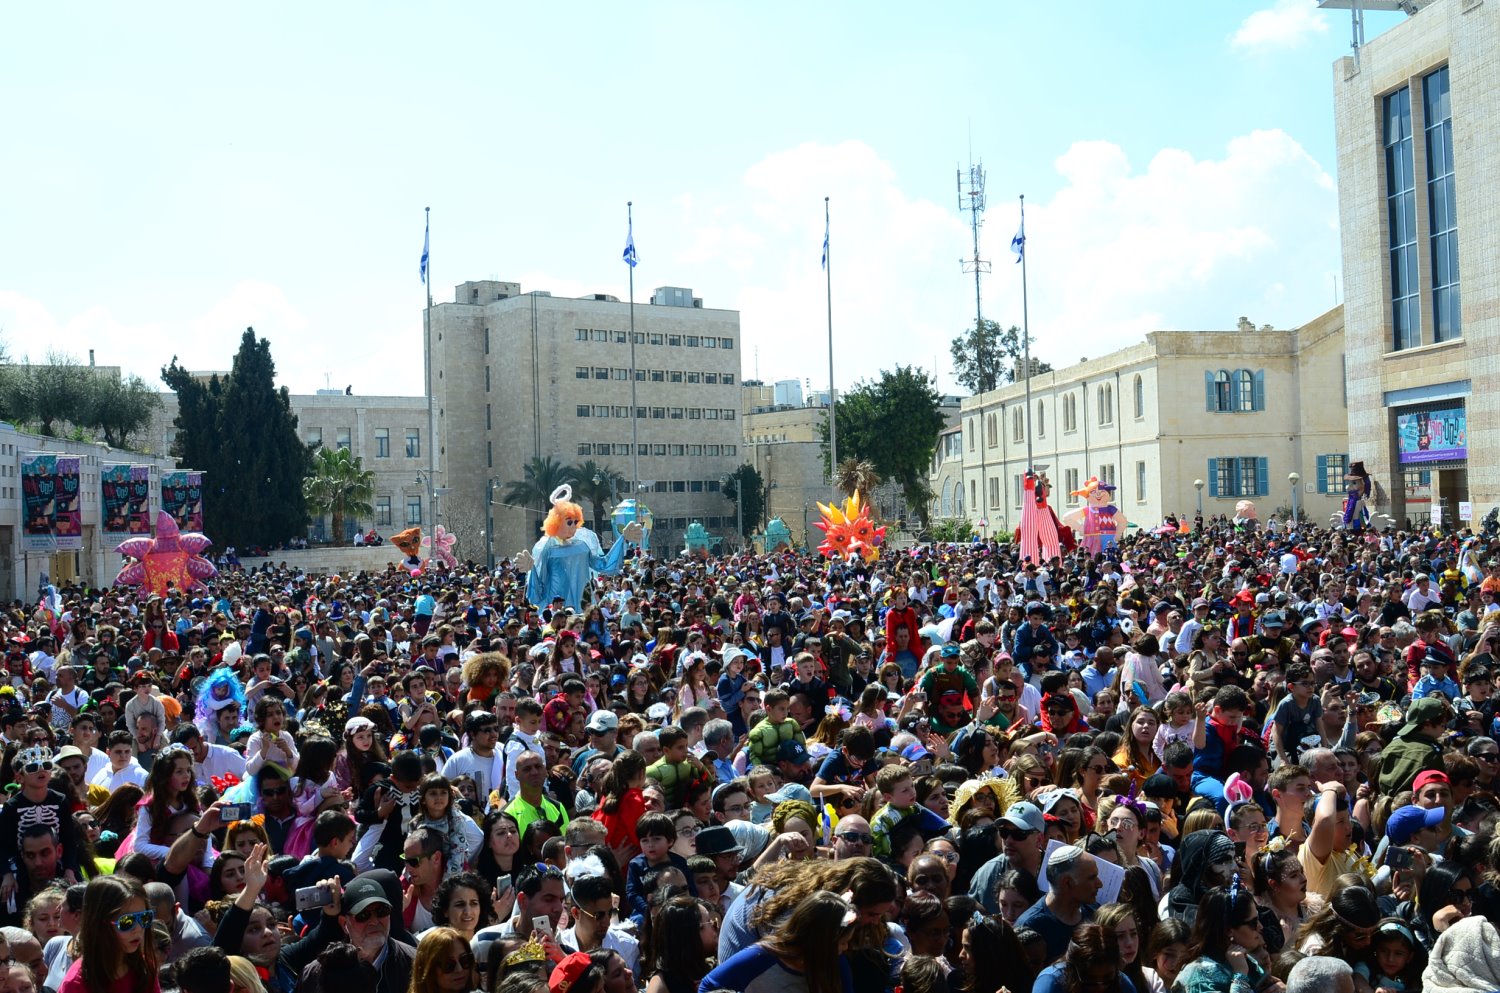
(1283, 25)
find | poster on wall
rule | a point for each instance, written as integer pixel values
(193, 507)
(67, 503)
(38, 487)
(182, 498)
(114, 502)
(1432, 436)
(138, 513)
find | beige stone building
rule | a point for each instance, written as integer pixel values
(947, 476)
(529, 375)
(1417, 119)
(785, 445)
(1241, 411)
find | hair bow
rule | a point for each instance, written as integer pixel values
(838, 710)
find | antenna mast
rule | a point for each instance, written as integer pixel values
(971, 201)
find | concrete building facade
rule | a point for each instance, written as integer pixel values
(1417, 121)
(529, 375)
(1241, 411)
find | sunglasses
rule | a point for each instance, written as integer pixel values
(127, 923)
(370, 913)
(1014, 834)
(413, 859)
(857, 837)
(275, 791)
(45, 765)
(463, 963)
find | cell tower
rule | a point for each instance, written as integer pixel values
(971, 201)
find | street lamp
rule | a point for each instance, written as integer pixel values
(1294, 478)
(489, 523)
(1198, 485)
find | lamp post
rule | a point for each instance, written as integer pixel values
(1294, 478)
(489, 524)
(1198, 485)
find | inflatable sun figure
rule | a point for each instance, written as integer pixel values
(849, 530)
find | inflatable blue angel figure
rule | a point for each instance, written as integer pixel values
(568, 554)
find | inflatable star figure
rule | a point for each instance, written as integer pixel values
(169, 558)
(440, 546)
(849, 530)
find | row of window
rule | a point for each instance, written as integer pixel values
(343, 438)
(658, 413)
(615, 448)
(653, 375)
(653, 338)
(1401, 212)
(1104, 404)
(385, 517)
(1239, 392)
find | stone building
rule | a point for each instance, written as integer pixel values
(1239, 411)
(520, 376)
(1417, 121)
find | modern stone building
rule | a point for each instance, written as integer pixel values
(1417, 119)
(1241, 411)
(520, 376)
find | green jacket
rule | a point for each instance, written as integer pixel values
(1405, 757)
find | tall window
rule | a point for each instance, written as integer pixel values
(1331, 470)
(1140, 397)
(383, 511)
(1107, 474)
(413, 510)
(314, 436)
(1106, 405)
(1442, 208)
(1222, 391)
(1016, 429)
(1238, 476)
(343, 439)
(994, 492)
(1244, 390)
(1041, 419)
(382, 443)
(1401, 215)
(1140, 481)
(973, 432)
(1070, 483)
(413, 443)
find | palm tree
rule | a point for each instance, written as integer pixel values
(857, 476)
(597, 484)
(539, 478)
(339, 486)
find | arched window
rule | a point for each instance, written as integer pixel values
(958, 499)
(1222, 389)
(1017, 425)
(946, 508)
(991, 432)
(1041, 419)
(1245, 381)
(1106, 404)
(1140, 396)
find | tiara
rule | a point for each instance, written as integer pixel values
(532, 951)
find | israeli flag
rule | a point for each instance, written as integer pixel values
(426, 234)
(1018, 243)
(825, 243)
(629, 255)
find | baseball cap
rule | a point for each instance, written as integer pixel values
(1408, 820)
(1430, 776)
(568, 971)
(363, 892)
(1025, 815)
(793, 752)
(602, 722)
(1425, 711)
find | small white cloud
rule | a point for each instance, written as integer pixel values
(1285, 24)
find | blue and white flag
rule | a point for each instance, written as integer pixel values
(629, 255)
(825, 242)
(1018, 243)
(426, 234)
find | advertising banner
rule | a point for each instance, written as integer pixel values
(67, 503)
(1432, 436)
(138, 520)
(114, 502)
(174, 487)
(193, 505)
(38, 486)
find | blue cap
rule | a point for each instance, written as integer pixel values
(949, 651)
(1408, 820)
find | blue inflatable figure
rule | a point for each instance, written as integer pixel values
(568, 554)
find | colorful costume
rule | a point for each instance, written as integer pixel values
(1041, 536)
(568, 554)
(1360, 489)
(1098, 519)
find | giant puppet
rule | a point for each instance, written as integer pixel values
(1098, 520)
(568, 554)
(1041, 536)
(850, 531)
(1360, 488)
(170, 559)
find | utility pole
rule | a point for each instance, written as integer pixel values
(971, 201)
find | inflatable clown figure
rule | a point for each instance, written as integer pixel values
(1098, 520)
(568, 554)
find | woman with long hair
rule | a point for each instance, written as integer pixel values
(1166, 952)
(1281, 890)
(502, 842)
(226, 877)
(684, 940)
(804, 955)
(362, 746)
(990, 957)
(622, 803)
(640, 693)
(249, 928)
(1122, 920)
(1443, 887)
(1136, 756)
(1225, 933)
(1090, 965)
(115, 931)
(443, 964)
(169, 792)
(1343, 926)
(117, 817)
(462, 903)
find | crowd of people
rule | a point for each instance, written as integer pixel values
(1224, 759)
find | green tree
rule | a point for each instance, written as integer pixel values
(952, 529)
(598, 484)
(242, 433)
(539, 478)
(119, 408)
(986, 357)
(746, 478)
(893, 424)
(57, 391)
(340, 487)
(858, 476)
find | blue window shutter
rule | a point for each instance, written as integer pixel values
(1262, 477)
(1260, 390)
(1213, 464)
(1322, 474)
(1208, 382)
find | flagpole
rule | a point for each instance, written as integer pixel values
(1025, 335)
(635, 449)
(427, 360)
(833, 433)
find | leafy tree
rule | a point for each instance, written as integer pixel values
(339, 486)
(119, 408)
(748, 479)
(893, 424)
(242, 433)
(985, 357)
(952, 529)
(64, 398)
(539, 478)
(598, 484)
(858, 476)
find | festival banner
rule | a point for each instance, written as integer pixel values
(38, 485)
(114, 502)
(193, 506)
(174, 494)
(138, 514)
(67, 503)
(1432, 436)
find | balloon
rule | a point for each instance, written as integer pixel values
(169, 558)
(441, 546)
(849, 530)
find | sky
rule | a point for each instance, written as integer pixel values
(176, 172)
